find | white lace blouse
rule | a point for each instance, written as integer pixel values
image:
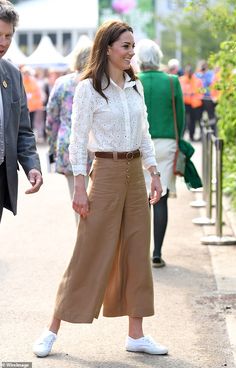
(117, 125)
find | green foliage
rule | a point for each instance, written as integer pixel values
(104, 4)
(197, 40)
(142, 17)
(222, 18)
(226, 111)
(146, 6)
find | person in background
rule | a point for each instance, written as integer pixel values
(40, 119)
(207, 77)
(33, 92)
(53, 75)
(192, 89)
(158, 99)
(59, 110)
(17, 142)
(174, 67)
(110, 264)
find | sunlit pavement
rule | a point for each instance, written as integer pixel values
(195, 294)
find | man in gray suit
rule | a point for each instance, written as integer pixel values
(17, 142)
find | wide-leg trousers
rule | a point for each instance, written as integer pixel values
(110, 264)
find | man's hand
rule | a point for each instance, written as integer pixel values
(36, 180)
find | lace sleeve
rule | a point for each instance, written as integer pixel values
(147, 146)
(82, 117)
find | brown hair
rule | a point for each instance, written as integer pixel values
(8, 13)
(107, 34)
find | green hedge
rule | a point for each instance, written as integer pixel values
(222, 19)
(226, 111)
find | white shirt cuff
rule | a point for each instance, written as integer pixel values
(79, 170)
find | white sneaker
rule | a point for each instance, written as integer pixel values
(43, 346)
(145, 344)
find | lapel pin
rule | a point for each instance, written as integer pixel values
(4, 83)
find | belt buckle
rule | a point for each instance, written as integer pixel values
(115, 156)
(129, 156)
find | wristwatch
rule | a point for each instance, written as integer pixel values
(155, 173)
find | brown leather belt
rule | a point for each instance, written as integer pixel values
(119, 155)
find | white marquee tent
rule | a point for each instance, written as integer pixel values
(15, 55)
(46, 56)
(59, 17)
(58, 14)
(82, 42)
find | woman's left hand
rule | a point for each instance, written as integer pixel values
(156, 190)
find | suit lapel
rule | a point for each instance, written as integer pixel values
(6, 89)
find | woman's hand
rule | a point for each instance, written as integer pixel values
(80, 198)
(156, 189)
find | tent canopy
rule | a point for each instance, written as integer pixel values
(46, 56)
(59, 14)
(82, 42)
(15, 55)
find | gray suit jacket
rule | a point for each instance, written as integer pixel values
(20, 143)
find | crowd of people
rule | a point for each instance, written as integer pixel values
(195, 93)
(197, 84)
(106, 121)
(199, 92)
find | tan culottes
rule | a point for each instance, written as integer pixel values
(111, 260)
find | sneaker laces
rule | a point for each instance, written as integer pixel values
(47, 340)
(150, 340)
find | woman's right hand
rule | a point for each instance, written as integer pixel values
(80, 202)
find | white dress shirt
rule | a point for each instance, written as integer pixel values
(119, 125)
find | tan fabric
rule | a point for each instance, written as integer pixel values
(111, 260)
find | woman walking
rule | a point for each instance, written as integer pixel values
(158, 99)
(110, 264)
(59, 109)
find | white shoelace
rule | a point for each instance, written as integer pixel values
(151, 341)
(48, 341)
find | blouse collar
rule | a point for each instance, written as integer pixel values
(128, 83)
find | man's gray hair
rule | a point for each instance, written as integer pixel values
(148, 54)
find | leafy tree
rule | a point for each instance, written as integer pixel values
(142, 16)
(103, 4)
(222, 17)
(197, 39)
(146, 6)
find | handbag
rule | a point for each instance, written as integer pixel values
(179, 163)
(179, 158)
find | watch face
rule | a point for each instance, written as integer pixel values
(156, 173)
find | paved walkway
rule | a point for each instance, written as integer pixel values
(195, 295)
